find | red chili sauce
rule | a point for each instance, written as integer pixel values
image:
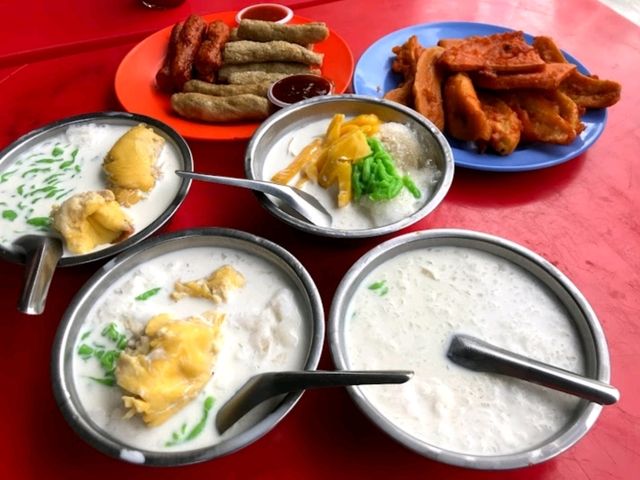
(299, 87)
(268, 13)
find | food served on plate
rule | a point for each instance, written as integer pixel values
(152, 368)
(213, 53)
(366, 172)
(59, 184)
(402, 315)
(497, 90)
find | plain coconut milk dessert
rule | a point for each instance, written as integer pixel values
(403, 315)
(263, 330)
(68, 163)
(403, 146)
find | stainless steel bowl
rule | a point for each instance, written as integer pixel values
(586, 324)
(62, 372)
(10, 153)
(300, 114)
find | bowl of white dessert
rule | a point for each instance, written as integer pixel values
(375, 165)
(162, 335)
(401, 304)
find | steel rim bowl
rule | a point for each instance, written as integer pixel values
(588, 328)
(296, 115)
(61, 361)
(111, 118)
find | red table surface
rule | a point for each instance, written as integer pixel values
(581, 215)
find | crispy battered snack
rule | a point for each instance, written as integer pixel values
(209, 57)
(465, 118)
(199, 106)
(224, 90)
(261, 31)
(500, 52)
(586, 91)
(504, 123)
(266, 67)
(250, 78)
(246, 51)
(549, 78)
(405, 63)
(164, 81)
(427, 86)
(187, 45)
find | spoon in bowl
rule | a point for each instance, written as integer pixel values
(266, 385)
(478, 355)
(302, 202)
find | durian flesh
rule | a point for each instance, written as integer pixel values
(89, 219)
(216, 287)
(130, 164)
(171, 367)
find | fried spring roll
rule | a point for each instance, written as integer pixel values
(248, 78)
(209, 57)
(163, 77)
(207, 88)
(199, 106)
(261, 31)
(189, 40)
(245, 51)
(267, 67)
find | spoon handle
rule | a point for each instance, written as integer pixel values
(264, 187)
(40, 266)
(266, 385)
(479, 355)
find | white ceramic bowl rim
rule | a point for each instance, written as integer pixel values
(288, 13)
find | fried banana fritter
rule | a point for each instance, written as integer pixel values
(549, 78)
(427, 86)
(504, 123)
(464, 116)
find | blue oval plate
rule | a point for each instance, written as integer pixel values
(373, 76)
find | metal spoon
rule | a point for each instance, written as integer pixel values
(305, 204)
(476, 354)
(266, 385)
(41, 257)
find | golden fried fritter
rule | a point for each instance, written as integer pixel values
(501, 52)
(549, 78)
(427, 86)
(505, 125)
(464, 116)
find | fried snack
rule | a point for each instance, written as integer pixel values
(427, 86)
(501, 52)
(504, 123)
(207, 88)
(246, 51)
(569, 110)
(464, 116)
(267, 67)
(549, 78)
(199, 106)
(164, 80)
(539, 113)
(209, 56)
(261, 31)
(586, 91)
(405, 63)
(449, 42)
(250, 78)
(403, 94)
(89, 219)
(189, 39)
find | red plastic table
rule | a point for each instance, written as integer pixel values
(59, 58)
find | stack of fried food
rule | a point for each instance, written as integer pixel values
(497, 90)
(218, 74)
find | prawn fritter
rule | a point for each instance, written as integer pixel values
(261, 31)
(189, 39)
(539, 113)
(199, 86)
(505, 125)
(209, 56)
(266, 67)
(587, 91)
(549, 78)
(427, 86)
(464, 116)
(246, 51)
(501, 52)
(199, 106)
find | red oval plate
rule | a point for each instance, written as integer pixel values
(136, 90)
